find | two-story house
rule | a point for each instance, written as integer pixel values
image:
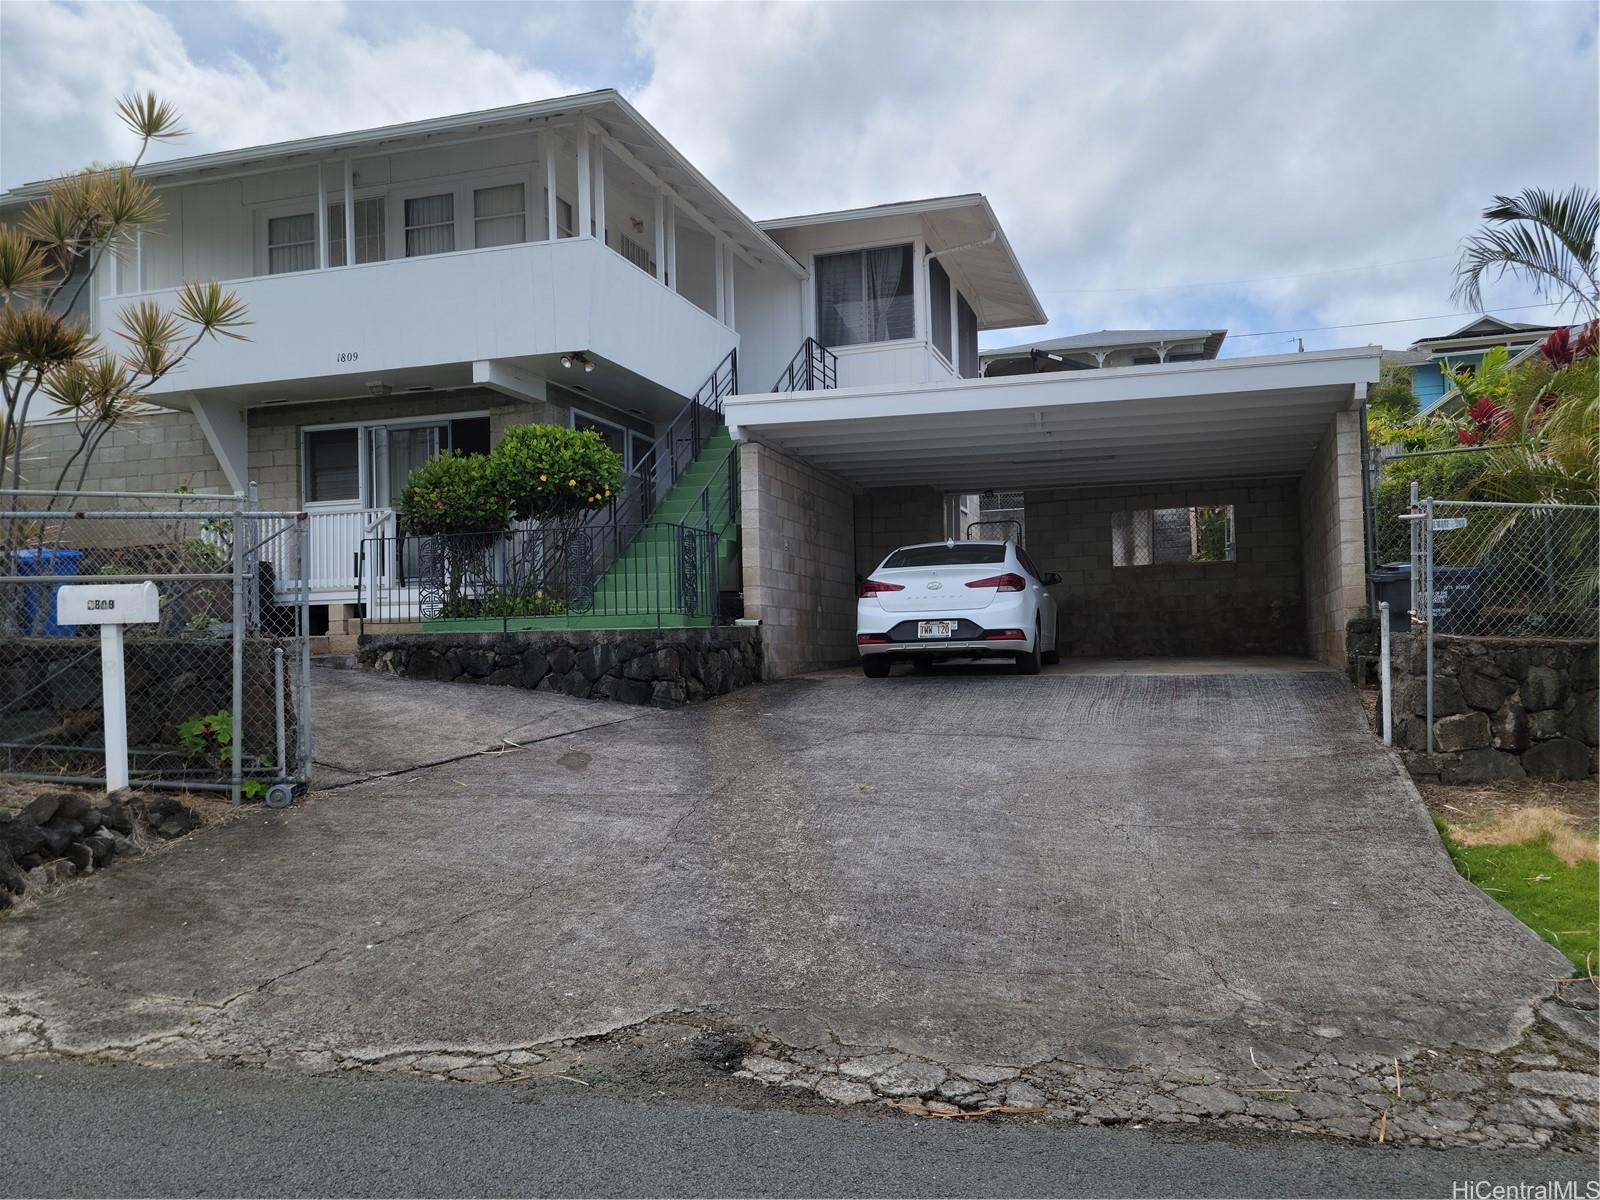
(1431, 359)
(423, 287)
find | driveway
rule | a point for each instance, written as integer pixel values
(1103, 867)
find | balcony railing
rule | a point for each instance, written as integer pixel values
(813, 368)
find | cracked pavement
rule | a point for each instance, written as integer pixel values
(1192, 875)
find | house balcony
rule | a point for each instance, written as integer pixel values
(491, 316)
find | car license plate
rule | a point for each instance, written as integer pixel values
(935, 629)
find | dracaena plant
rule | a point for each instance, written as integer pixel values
(47, 259)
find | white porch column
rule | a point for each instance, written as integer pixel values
(322, 219)
(672, 245)
(661, 236)
(350, 214)
(728, 295)
(919, 284)
(585, 185)
(599, 156)
(722, 283)
(138, 261)
(547, 151)
(223, 423)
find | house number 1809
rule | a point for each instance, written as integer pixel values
(346, 356)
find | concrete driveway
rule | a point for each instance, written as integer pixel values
(1091, 865)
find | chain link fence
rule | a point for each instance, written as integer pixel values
(218, 690)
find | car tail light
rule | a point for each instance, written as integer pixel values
(1002, 583)
(871, 587)
(871, 639)
(1005, 635)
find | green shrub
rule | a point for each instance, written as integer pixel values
(502, 604)
(547, 470)
(1441, 476)
(453, 494)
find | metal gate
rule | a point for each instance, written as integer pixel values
(218, 690)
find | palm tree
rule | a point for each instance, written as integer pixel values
(1547, 239)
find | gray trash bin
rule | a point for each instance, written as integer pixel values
(1392, 582)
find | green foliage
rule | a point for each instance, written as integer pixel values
(1556, 901)
(453, 494)
(208, 735)
(502, 604)
(252, 789)
(546, 470)
(1212, 539)
(1441, 476)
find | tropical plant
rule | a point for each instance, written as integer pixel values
(1547, 239)
(47, 260)
(453, 494)
(548, 470)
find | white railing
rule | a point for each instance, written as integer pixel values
(333, 542)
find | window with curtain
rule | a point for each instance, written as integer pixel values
(333, 465)
(430, 224)
(499, 215)
(291, 243)
(939, 307)
(370, 220)
(865, 296)
(967, 337)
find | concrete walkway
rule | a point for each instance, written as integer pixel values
(1112, 869)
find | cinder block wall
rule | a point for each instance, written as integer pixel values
(152, 452)
(1334, 549)
(891, 517)
(798, 524)
(1254, 605)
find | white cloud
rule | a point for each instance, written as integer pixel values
(1124, 146)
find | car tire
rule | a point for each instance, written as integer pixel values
(1028, 664)
(876, 667)
(1053, 655)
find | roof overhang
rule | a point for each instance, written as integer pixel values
(613, 116)
(1226, 418)
(965, 236)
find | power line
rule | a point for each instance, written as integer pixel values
(1170, 287)
(1395, 321)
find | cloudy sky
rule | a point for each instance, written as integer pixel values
(1260, 167)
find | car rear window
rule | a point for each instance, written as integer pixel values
(959, 555)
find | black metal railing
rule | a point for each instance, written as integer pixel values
(813, 368)
(554, 575)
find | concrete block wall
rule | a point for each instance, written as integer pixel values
(798, 526)
(275, 429)
(1334, 550)
(889, 517)
(152, 452)
(1254, 605)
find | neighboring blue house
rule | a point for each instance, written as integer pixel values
(1465, 347)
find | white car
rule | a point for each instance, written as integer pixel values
(956, 600)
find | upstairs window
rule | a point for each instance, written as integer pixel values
(499, 215)
(939, 308)
(291, 243)
(635, 253)
(370, 246)
(865, 296)
(430, 224)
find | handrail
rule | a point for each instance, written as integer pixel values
(813, 368)
(671, 454)
(729, 469)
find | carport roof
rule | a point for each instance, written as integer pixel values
(1162, 423)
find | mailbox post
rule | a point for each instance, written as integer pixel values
(111, 606)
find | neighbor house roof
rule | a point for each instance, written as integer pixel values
(618, 119)
(1488, 330)
(966, 234)
(1115, 339)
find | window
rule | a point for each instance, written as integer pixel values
(499, 215)
(370, 220)
(865, 296)
(939, 307)
(291, 243)
(978, 554)
(430, 224)
(563, 216)
(629, 445)
(333, 465)
(967, 338)
(637, 255)
(1150, 536)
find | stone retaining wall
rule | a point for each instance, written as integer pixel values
(663, 667)
(1503, 708)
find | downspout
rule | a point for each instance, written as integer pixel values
(979, 244)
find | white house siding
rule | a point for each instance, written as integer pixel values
(799, 569)
(153, 452)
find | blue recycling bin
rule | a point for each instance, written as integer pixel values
(55, 563)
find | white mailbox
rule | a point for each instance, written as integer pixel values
(111, 606)
(107, 604)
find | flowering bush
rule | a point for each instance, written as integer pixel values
(453, 494)
(546, 470)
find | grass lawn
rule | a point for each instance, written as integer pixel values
(1560, 903)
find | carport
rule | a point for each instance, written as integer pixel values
(832, 480)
